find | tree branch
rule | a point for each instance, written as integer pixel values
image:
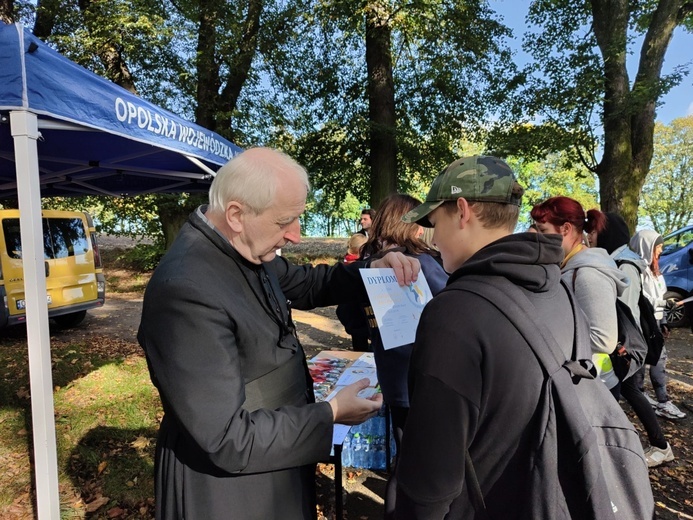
(684, 12)
(591, 167)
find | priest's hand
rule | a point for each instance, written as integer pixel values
(406, 267)
(349, 408)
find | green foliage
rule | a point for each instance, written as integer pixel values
(327, 216)
(667, 197)
(449, 67)
(555, 107)
(578, 95)
(143, 257)
(552, 177)
(306, 90)
(140, 31)
(135, 217)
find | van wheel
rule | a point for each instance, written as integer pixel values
(67, 321)
(677, 316)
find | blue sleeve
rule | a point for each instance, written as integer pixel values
(435, 275)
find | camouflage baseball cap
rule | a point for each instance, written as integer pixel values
(479, 178)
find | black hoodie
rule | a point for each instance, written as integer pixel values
(475, 384)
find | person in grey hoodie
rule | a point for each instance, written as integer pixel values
(648, 245)
(591, 273)
(614, 239)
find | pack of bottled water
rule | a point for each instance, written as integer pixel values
(365, 445)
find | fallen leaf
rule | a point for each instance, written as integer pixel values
(140, 443)
(96, 504)
(115, 512)
(102, 466)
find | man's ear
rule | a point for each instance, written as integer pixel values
(464, 212)
(234, 216)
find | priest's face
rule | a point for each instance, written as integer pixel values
(264, 233)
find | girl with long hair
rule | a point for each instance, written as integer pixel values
(648, 245)
(389, 232)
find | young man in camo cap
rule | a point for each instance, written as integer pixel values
(474, 382)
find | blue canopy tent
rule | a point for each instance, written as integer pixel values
(67, 131)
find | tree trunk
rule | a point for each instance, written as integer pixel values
(7, 11)
(381, 103)
(239, 67)
(46, 11)
(629, 114)
(110, 54)
(173, 214)
(215, 106)
(610, 29)
(207, 65)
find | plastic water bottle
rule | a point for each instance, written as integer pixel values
(367, 426)
(366, 451)
(347, 454)
(357, 460)
(379, 456)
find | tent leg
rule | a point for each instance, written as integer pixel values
(25, 132)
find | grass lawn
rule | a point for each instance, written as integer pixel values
(106, 415)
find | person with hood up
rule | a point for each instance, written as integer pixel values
(592, 274)
(648, 244)
(614, 239)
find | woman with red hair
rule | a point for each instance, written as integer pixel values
(593, 275)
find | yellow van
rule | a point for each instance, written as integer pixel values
(74, 273)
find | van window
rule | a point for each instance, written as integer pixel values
(677, 240)
(62, 237)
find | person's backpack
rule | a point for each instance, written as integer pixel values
(631, 349)
(587, 460)
(648, 323)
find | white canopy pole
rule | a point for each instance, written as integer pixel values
(25, 132)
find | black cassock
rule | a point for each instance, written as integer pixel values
(241, 433)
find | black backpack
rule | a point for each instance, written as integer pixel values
(648, 323)
(588, 462)
(631, 349)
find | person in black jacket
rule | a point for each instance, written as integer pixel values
(241, 432)
(474, 381)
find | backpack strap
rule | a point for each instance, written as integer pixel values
(621, 261)
(638, 268)
(285, 385)
(510, 300)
